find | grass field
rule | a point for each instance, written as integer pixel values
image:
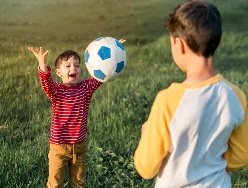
(118, 108)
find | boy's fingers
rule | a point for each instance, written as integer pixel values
(35, 51)
(122, 40)
(31, 49)
(45, 52)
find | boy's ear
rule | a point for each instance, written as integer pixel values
(180, 43)
(58, 72)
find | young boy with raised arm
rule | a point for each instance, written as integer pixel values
(70, 101)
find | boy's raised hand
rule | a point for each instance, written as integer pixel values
(41, 57)
(122, 40)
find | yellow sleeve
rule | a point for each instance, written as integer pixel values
(155, 142)
(237, 153)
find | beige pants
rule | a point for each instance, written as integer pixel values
(64, 158)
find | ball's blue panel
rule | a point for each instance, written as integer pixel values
(104, 52)
(99, 38)
(119, 45)
(86, 56)
(99, 74)
(119, 67)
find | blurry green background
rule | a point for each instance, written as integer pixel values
(118, 108)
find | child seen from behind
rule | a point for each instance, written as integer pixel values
(197, 130)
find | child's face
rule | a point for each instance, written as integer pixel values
(69, 71)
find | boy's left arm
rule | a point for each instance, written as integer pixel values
(93, 84)
(237, 153)
(155, 142)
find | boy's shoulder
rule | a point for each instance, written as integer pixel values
(239, 93)
(176, 91)
(172, 90)
(171, 94)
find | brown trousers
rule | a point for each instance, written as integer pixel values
(64, 160)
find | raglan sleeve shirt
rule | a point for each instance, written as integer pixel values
(237, 153)
(155, 144)
(189, 130)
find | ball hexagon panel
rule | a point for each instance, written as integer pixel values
(104, 52)
(86, 56)
(119, 66)
(119, 45)
(99, 74)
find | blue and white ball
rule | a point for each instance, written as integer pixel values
(105, 58)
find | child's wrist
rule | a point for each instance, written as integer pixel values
(41, 61)
(43, 67)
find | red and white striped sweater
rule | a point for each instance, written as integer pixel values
(70, 106)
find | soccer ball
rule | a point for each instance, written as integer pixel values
(105, 58)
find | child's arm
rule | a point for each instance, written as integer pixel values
(41, 57)
(93, 84)
(237, 153)
(154, 145)
(47, 83)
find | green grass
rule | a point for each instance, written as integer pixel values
(118, 108)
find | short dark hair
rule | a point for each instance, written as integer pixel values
(65, 56)
(199, 24)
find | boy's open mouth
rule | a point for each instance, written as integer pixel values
(73, 75)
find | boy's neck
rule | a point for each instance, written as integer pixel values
(199, 69)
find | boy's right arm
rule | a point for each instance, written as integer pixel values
(155, 144)
(237, 153)
(44, 71)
